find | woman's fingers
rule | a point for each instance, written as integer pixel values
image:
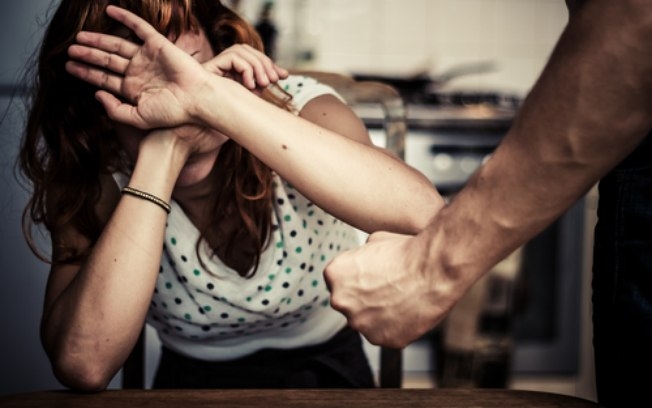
(251, 72)
(109, 43)
(95, 76)
(99, 58)
(120, 111)
(281, 72)
(261, 63)
(140, 27)
(263, 66)
(253, 68)
(243, 60)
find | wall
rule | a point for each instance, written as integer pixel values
(390, 36)
(23, 365)
(409, 37)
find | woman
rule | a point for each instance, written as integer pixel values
(208, 208)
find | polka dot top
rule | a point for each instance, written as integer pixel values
(219, 315)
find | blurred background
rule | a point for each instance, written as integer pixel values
(417, 37)
(463, 67)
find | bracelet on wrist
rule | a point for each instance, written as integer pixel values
(147, 196)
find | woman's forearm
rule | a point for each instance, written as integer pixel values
(356, 182)
(91, 327)
(353, 181)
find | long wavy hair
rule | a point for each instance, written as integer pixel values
(69, 142)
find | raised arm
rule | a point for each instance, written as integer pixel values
(591, 106)
(329, 160)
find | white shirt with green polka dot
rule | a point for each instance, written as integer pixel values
(216, 314)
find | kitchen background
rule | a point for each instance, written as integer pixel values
(487, 47)
(418, 36)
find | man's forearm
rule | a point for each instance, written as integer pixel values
(590, 108)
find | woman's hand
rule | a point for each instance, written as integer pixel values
(157, 81)
(247, 65)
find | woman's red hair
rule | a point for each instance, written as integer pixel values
(69, 143)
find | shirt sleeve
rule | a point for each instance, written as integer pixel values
(304, 89)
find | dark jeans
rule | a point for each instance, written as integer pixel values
(338, 363)
(622, 283)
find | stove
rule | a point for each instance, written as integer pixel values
(449, 134)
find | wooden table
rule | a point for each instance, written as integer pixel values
(367, 398)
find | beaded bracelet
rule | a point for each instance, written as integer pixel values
(147, 196)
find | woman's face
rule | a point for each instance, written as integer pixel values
(201, 161)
